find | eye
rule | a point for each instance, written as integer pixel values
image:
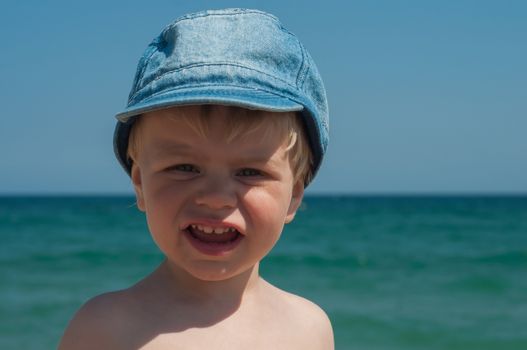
(249, 172)
(187, 168)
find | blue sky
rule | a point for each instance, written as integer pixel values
(425, 96)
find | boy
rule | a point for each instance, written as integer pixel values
(226, 124)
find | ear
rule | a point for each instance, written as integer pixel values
(138, 187)
(296, 200)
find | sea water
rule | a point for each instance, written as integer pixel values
(391, 272)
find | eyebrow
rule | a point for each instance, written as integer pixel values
(167, 148)
(259, 160)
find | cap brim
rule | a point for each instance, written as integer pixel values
(231, 96)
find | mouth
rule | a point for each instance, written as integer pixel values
(213, 240)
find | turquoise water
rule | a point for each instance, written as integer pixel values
(392, 273)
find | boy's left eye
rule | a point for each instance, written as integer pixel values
(249, 172)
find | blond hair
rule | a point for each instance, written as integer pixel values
(245, 122)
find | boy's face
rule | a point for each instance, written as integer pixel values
(188, 184)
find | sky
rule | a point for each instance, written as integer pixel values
(425, 97)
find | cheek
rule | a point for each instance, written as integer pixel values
(159, 193)
(268, 209)
(162, 203)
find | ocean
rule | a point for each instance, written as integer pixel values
(402, 272)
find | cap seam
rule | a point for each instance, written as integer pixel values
(145, 57)
(300, 74)
(304, 80)
(204, 65)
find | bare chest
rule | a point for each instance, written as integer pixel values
(232, 333)
(233, 340)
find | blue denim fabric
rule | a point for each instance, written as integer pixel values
(235, 57)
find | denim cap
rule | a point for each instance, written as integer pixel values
(235, 57)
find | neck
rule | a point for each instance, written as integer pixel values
(173, 292)
(228, 292)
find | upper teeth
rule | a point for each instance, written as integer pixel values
(216, 230)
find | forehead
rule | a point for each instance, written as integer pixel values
(212, 123)
(216, 120)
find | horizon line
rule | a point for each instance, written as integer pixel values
(307, 195)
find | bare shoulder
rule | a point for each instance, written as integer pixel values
(98, 323)
(312, 321)
(315, 321)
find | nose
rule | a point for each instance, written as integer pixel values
(217, 194)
